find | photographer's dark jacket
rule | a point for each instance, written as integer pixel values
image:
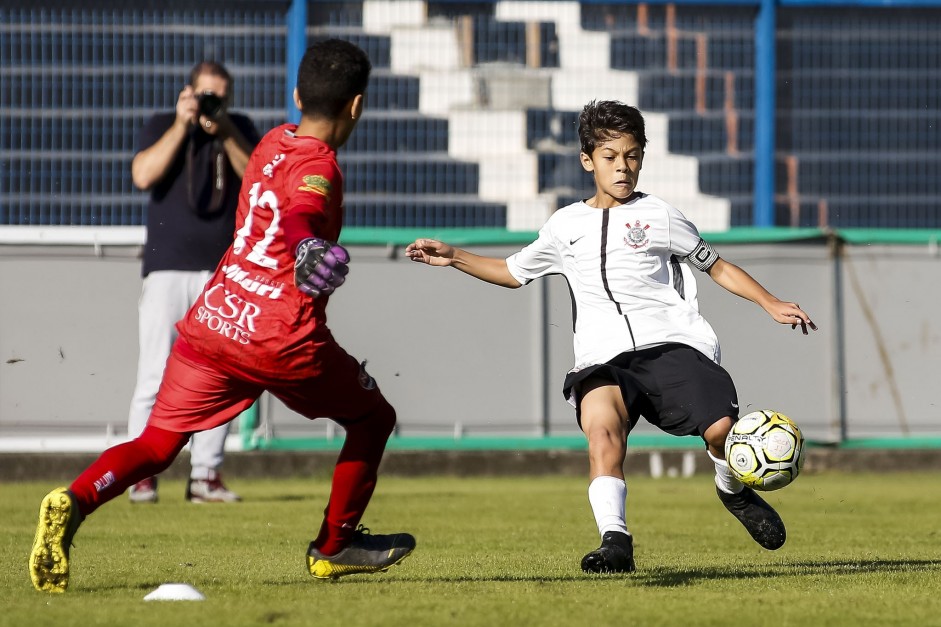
(191, 213)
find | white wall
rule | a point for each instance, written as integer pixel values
(447, 349)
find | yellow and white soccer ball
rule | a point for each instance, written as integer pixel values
(765, 450)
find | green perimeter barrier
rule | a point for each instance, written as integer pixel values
(248, 423)
(479, 443)
(360, 236)
(559, 442)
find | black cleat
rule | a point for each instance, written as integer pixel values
(615, 555)
(367, 553)
(759, 519)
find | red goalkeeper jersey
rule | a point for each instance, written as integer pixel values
(251, 320)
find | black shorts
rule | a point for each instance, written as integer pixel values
(673, 386)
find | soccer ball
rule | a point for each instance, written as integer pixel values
(765, 450)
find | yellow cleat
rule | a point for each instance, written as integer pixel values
(59, 519)
(366, 553)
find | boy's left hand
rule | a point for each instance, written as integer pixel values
(792, 314)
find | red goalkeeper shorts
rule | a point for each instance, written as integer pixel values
(196, 396)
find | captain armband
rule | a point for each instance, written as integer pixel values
(703, 256)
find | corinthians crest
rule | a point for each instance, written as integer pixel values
(636, 235)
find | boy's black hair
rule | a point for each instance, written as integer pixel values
(332, 73)
(607, 119)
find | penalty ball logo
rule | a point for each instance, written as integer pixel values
(764, 450)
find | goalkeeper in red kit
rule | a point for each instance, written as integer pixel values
(260, 324)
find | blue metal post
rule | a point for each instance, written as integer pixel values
(296, 46)
(764, 113)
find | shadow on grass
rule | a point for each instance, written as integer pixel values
(663, 577)
(668, 578)
(411, 579)
(676, 577)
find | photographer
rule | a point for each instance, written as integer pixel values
(191, 160)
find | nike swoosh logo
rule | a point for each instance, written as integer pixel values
(572, 241)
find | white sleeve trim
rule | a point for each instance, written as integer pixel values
(514, 269)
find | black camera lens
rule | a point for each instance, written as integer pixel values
(210, 105)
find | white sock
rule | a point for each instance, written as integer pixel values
(608, 499)
(724, 479)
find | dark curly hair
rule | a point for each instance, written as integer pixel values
(607, 119)
(332, 73)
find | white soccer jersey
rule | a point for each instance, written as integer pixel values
(627, 285)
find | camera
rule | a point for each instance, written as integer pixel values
(210, 105)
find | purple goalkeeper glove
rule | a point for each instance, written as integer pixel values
(320, 266)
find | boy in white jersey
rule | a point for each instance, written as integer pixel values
(641, 346)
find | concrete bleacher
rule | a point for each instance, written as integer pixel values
(494, 107)
(455, 119)
(473, 106)
(691, 70)
(421, 185)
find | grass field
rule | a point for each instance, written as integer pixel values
(861, 550)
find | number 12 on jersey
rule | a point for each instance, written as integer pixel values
(267, 200)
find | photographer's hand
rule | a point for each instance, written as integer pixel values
(150, 165)
(187, 107)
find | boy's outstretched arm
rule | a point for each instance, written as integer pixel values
(435, 253)
(740, 283)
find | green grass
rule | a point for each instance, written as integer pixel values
(861, 550)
